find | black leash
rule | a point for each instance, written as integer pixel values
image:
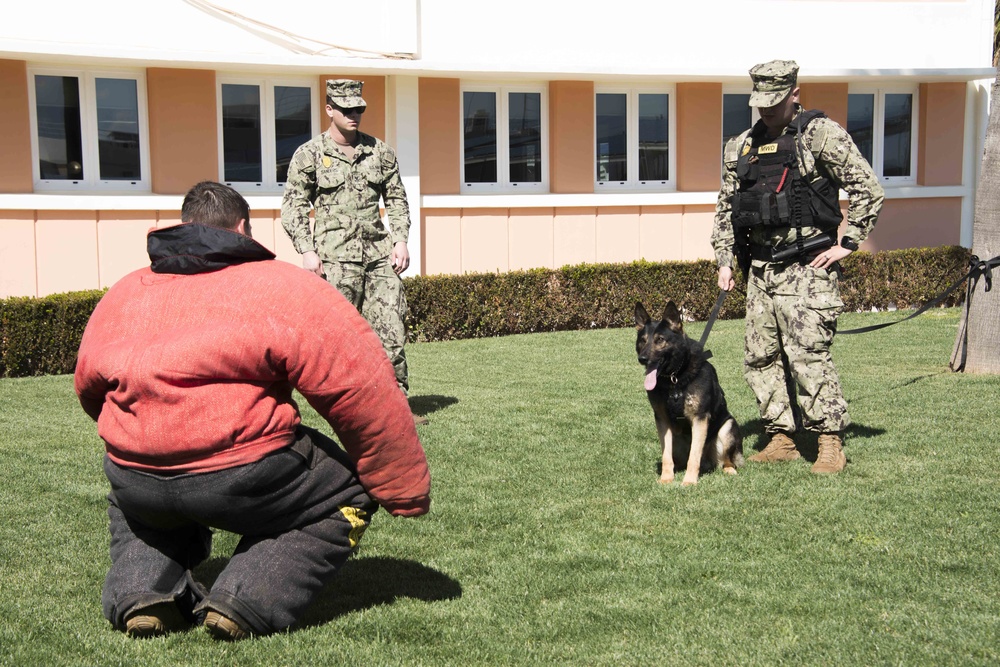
(711, 321)
(977, 268)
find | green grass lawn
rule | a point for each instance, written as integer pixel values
(549, 540)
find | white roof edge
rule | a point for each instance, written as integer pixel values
(84, 54)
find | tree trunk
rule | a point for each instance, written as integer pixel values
(981, 320)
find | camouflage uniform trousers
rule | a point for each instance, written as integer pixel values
(791, 319)
(377, 292)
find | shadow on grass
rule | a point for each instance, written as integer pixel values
(756, 439)
(362, 583)
(424, 405)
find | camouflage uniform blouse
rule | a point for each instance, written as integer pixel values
(345, 194)
(830, 151)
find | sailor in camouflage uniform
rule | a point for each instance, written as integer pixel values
(342, 174)
(778, 217)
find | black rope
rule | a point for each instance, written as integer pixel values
(711, 321)
(977, 269)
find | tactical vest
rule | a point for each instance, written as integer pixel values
(771, 190)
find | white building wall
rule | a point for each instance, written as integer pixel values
(709, 39)
(706, 37)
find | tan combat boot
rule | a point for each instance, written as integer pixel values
(831, 457)
(781, 448)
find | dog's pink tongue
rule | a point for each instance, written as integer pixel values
(650, 382)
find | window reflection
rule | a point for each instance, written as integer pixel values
(861, 123)
(525, 125)
(736, 116)
(118, 129)
(60, 142)
(480, 128)
(612, 137)
(654, 137)
(898, 125)
(241, 141)
(292, 125)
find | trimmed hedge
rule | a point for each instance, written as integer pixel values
(604, 295)
(41, 336)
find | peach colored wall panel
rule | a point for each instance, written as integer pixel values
(172, 218)
(661, 233)
(830, 98)
(66, 242)
(373, 90)
(442, 239)
(484, 241)
(17, 254)
(697, 232)
(916, 223)
(263, 228)
(531, 238)
(121, 243)
(183, 128)
(699, 136)
(15, 140)
(941, 133)
(617, 231)
(440, 127)
(571, 136)
(574, 235)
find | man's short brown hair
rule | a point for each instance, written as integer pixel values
(214, 204)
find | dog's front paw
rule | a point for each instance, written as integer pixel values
(690, 480)
(666, 479)
(729, 470)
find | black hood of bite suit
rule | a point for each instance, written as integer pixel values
(191, 248)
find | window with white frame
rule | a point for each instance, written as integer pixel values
(261, 123)
(504, 139)
(88, 130)
(883, 124)
(633, 135)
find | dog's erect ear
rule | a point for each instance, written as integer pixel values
(641, 316)
(672, 317)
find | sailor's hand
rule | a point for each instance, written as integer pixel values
(726, 281)
(829, 256)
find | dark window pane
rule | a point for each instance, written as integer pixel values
(525, 125)
(654, 137)
(292, 125)
(60, 142)
(612, 137)
(118, 129)
(480, 128)
(861, 122)
(736, 116)
(898, 131)
(241, 133)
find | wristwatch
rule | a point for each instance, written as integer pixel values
(849, 244)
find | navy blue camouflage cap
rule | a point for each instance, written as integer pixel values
(345, 93)
(772, 81)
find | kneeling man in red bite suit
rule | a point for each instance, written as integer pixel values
(188, 367)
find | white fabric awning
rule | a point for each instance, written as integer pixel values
(289, 33)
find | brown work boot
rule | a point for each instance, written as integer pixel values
(831, 457)
(155, 620)
(223, 627)
(781, 448)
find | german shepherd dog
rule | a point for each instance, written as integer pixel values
(687, 398)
